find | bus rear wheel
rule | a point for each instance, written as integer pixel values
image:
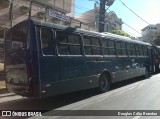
(104, 83)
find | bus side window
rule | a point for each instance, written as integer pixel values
(118, 48)
(68, 43)
(121, 48)
(141, 50)
(92, 45)
(133, 50)
(96, 46)
(47, 46)
(108, 47)
(124, 50)
(111, 47)
(105, 47)
(129, 51)
(87, 45)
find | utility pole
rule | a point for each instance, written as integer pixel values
(102, 13)
(30, 8)
(45, 11)
(10, 12)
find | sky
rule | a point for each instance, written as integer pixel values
(149, 10)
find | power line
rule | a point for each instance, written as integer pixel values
(129, 26)
(133, 12)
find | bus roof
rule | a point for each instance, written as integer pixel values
(82, 31)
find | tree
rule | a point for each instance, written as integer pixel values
(121, 32)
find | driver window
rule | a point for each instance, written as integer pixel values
(47, 46)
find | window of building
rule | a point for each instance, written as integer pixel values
(68, 43)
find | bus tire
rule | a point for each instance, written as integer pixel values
(104, 83)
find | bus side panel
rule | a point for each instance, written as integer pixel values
(122, 72)
(49, 73)
(71, 85)
(73, 76)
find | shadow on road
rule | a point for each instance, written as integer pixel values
(3, 91)
(54, 102)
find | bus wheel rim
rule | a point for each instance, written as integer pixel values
(104, 83)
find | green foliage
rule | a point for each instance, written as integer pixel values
(120, 32)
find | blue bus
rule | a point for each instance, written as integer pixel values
(44, 59)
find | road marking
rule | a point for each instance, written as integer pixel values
(136, 117)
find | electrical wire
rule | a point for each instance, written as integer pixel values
(133, 12)
(129, 26)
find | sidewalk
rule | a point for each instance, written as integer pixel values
(2, 82)
(1, 66)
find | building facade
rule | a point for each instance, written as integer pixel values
(150, 33)
(56, 11)
(40, 8)
(92, 18)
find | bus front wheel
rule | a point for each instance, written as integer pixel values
(104, 83)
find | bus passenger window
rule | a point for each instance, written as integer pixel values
(96, 46)
(111, 47)
(108, 47)
(145, 51)
(133, 51)
(118, 48)
(47, 46)
(68, 43)
(92, 45)
(87, 45)
(124, 49)
(141, 51)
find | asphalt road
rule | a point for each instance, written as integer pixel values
(136, 94)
